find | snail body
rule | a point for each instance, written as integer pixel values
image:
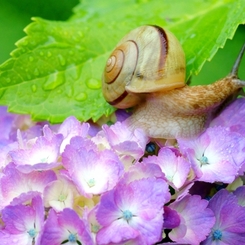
(146, 71)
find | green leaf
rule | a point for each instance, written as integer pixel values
(56, 69)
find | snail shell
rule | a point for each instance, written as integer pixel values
(148, 59)
(146, 71)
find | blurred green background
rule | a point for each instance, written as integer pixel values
(224, 59)
(15, 15)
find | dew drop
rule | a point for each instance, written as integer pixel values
(54, 80)
(93, 83)
(81, 97)
(31, 58)
(34, 88)
(62, 60)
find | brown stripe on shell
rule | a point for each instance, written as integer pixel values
(111, 70)
(118, 99)
(163, 47)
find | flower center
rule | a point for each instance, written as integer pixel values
(127, 215)
(44, 159)
(203, 160)
(95, 228)
(62, 198)
(217, 235)
(72, 238)
(32, 233)
(91, 182)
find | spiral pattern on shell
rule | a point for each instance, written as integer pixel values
(148, 59)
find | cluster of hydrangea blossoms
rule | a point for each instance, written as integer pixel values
(77, 183)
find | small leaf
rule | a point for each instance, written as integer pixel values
(56, 69)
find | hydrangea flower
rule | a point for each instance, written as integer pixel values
(6, 124)
(14, 184)
(4, 154)
(240, 194)
(232, 117)
(124, 141)
(93, 172)
(41, 155)
(72, 127)
(141, 170)
(230, 220)
(132, 211)
(171, 218)
(175, 168)
(196, 220)
(60, 194)
(105, 188)
(216, 155)
(65, 228)
(23, 224)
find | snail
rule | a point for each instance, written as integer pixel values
(146, 71)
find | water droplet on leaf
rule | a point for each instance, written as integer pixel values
(81, 97)
(34, 88)
(62, 60)
(54, 80)
(93, 83)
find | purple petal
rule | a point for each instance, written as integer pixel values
(21, 219)
(142, 170)
(85, 167)
(44, 150)
(135, 208)
(144, 197)
(196, 220)
(60, 227)
(14, 183)
(125, 141)
(240, 194)
(171, 218)
(216, 155)
(230, 219)
(233, 117)
(175, 168)
(72, 127)
(116, 232)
